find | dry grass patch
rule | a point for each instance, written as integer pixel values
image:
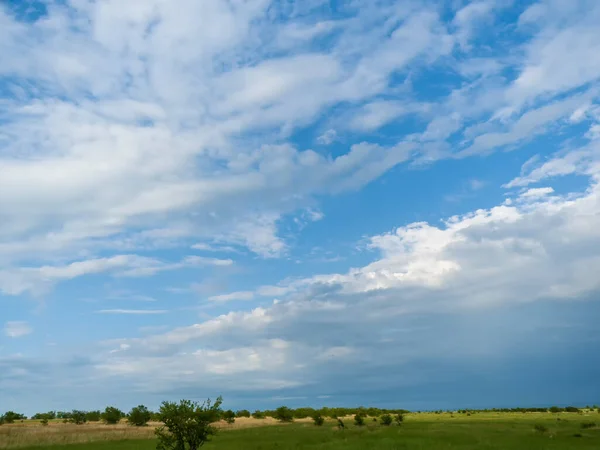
(30, 433)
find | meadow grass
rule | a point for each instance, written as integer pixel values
(487, 431)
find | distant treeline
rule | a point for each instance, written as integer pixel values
(141, 414)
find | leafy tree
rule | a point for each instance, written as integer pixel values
(229, 416)
(12, 417)
(187, 424)
(399, 418)
(258, 414)
(284, 414)
(359, 420)
(93, 416)
(242, 413)
(386, 420)
(112, 415)
(139, 416)
(78, 417)
(554, 409)
(318, 420)
(48, 415)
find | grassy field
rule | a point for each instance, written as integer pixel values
(420, 431)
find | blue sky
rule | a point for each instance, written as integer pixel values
(390, 203)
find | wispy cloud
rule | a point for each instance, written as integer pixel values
(17, 329)
(132, 311)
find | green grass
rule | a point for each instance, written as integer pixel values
(451, 433)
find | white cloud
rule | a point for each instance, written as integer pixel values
(38, 279)
(536, 193)
(171, 97)
(17, 329)
(328, 137)
(241, 295)
(132, 312)
(582, 161)
(540, 248)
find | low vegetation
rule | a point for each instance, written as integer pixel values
(189, 425)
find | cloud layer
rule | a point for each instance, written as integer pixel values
(221, 159)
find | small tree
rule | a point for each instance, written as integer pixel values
(386, 420)
(399, 418)
(318, 420)
(242, 413)
(229, 416)
(93, 416)
(340, 424)
(258, 414)
(78, 417)
(112, 415)
(187, 424)
(139, 416)
(44, 421)
(11, 417)
(359, 420)
(284, 414)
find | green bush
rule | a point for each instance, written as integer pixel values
(139, 416)
(318, 420)
(78, 417)
(586, 425)
(386, 420)
(258, 414)
(399, 418)
(93, 416)
(112, 415)
(11, 417)
(340, 424)
(284, 414)
(540, 428)
(242, 413)
(359, 420)
(187, 424)
(229, 416)
(44, 422)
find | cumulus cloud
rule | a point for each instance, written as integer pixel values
(534, 247)
(133, 134)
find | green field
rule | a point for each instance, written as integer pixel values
(428, 432)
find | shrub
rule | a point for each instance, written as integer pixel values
(359, 420)
(78, 417)
(258, 414)
(318, 420)
(572, 409)
(93, 416)
(586, 425)
(284, 414)
(187, 424)
(139, 416)
(112, 415)
(399, 418)
(554, 409)
(386, 420)
(540, 428)
(44, 422)
(11, 417)
(242, 413)
(229, 416)
(340, 424)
